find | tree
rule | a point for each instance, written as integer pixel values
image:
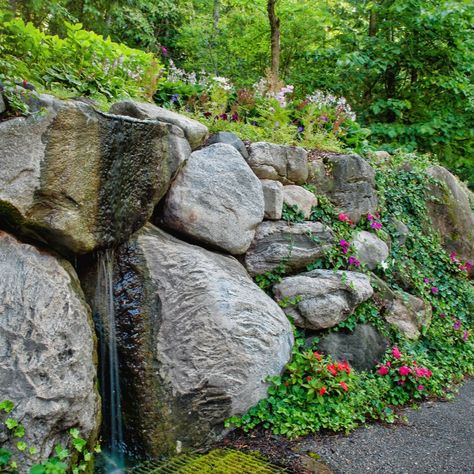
(275, 43)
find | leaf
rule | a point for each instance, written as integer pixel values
(61, 452)
(5, 456)
(21, 446)
(32, 450)
(7, 406)
(11, 423)
(37, 469)
(79, 444)
(74, 432)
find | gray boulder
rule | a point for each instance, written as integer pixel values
(80, 179)
(370, 249)
(231, 139)
(295, 246)
(363, 348)
(321, 299)
(3, 106)
(273, 197)
(300, 197)
(349, 182)
(451, 213)
(47, 349)
(216, 200)
(194, 131)
(197, 340)
(287, 164)
(409, 314)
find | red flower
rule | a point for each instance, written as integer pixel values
(308, 378)
(344, 386)
(322, 391)
(317, 355)
(344, 218)
(396, 352)
(332, 369)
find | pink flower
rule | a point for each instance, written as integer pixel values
(452, 256)
(457, 325)
(344, 218)
(434, 290)
(423, 372)
(465, 336)
(426, 280)
(420, 387)
(396, 352)
(344, 245)
(370, 217)
(401, 382)
(164, 51)
(344, 386)
(383, 370)
(388, 364)
(353, 261)
(376, 225)
(404, 370)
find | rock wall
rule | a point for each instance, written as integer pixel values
(196, 338)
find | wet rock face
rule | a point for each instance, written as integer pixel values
(321, 299)
(451, 214)
(287, 164)
(194, 131)
(197, 340)
(294, 246)
(79, 179)
(47, 347)
(216, 200)
(363, 348)
(348, 181)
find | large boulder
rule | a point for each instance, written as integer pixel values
(408, 313)
(321, 299)
(287, 164)
(294, 246)
(301, 198)
(231, 139)
(216, 200)
(195, 131)
(363, 347)
(451, 213)
(347, 180)
(370, 249)
(80, 179)
(196, 339)
(47, 349)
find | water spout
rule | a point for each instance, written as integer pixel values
(104, 313)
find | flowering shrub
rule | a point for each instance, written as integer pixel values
(316, 393)
(408, 379)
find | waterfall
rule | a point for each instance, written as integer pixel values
(104, 313)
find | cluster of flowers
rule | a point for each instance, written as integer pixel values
(457, 326)
(323, 100)
(429, 281)
(403, 370)
(374, 223)
(352, 260)
(330, 375)
(464, 267)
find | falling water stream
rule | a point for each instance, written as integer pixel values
(112, 426)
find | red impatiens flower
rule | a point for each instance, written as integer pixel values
(344, 386)
(322, 390)
(344, 218)
(332, 369)
(317, 355)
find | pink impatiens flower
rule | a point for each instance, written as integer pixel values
(353, 261)
(404, 370)
(434, 290)
(383, 370)
(465, 336)
(344, 218)
(344, 246)
(396, 352)
(370, 217)
(376, 225)
(420, 387)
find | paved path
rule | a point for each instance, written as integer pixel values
(438, 439)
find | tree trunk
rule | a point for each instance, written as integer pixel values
(275, 43)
